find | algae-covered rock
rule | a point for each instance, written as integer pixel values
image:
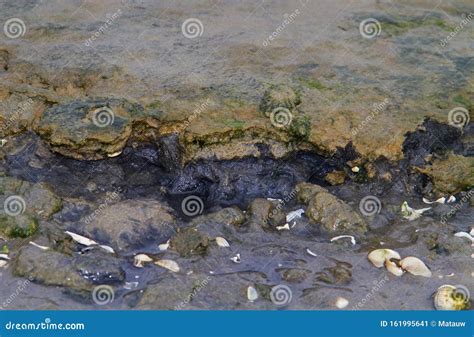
(49, 268)
(89, 129)
(131, 223)
(334, 215)
(279, 96)
(23, 205)
(78, 272)
(189, 242)
(266, 213)
(451, 174)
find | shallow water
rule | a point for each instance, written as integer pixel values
(267, 258)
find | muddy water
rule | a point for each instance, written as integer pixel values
(312, 271)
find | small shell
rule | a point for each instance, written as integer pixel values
(168, 264)
(439, 201)
(283, 227)
(355, 169)
(81, 239)
(411, 213)
(311, 253)
(236, 258)
(3, 263)
(164, 246)
(4, 257)
(415, 266)
(252, 294)
(294, 214)
(464, 235)
(451, 199)
(341, 302)
(115, 154)
(393, 268)
(450, 297)
(38, 246)
(140, 259)
(353, 241)
(378, 256)
(221, 242)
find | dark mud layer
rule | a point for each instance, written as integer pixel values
(133, 190)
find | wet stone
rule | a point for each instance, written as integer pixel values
(131, 223)
(49, 268)
(24, 205)
(266, 213)
(88, 129)
(190, 242)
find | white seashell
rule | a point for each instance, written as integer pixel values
(439, 201)
(450, 297)
(451, 199)
(393, 268)
(411, 213)
(115, 154)
(221, 242)
(341, 302)
(271, 199)
(378, 256)
(464, 235)
(164, 246)
(81, 239)
(38, 246)
(140, 259)
(4, 257)
(236, 258)
(3, 142)
(3, 263)
(294, 214)
(355, 169)
(311, 253)
(284, 227)
(252, 294)
(415, 266)
(353, 241)
(168, 264)
(108, 249)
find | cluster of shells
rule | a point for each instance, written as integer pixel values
(447, 297)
